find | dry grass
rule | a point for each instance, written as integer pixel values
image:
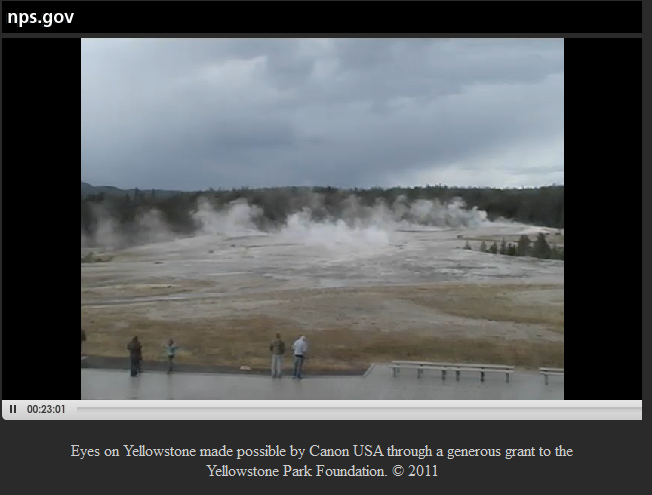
(96, 258)
(491, 302)
(237, 341)
(96, 288)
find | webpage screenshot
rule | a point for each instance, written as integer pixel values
(315, 244)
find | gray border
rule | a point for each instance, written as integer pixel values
(323, 35)
(1, 259)
(640, 1)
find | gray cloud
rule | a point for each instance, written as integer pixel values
(194, 114)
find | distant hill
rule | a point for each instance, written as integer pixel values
(88, 189)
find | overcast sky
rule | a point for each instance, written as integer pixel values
(194, 114)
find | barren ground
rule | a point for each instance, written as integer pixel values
(358, 298)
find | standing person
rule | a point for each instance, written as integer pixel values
(278, 349)
(171, 350)
(83, 335)
(300, 347)
(135, 355)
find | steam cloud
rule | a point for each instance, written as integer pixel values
(356, 226)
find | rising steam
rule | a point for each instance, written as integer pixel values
(356, 225)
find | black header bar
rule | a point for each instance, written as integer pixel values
(343, 18)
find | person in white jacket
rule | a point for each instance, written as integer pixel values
(300, 348)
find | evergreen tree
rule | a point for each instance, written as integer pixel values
(494, 248)
(541, 249)
(556, 253)
(523, 248)
(511, 250)
(483, 247)
(561, 220)
(467, 246)
(503, 247)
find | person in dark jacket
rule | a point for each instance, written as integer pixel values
(83, 339)
(278, 349)
(135, 355)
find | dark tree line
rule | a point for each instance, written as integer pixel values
(538, 206)
(540, 248)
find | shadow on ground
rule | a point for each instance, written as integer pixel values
(113, 363)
